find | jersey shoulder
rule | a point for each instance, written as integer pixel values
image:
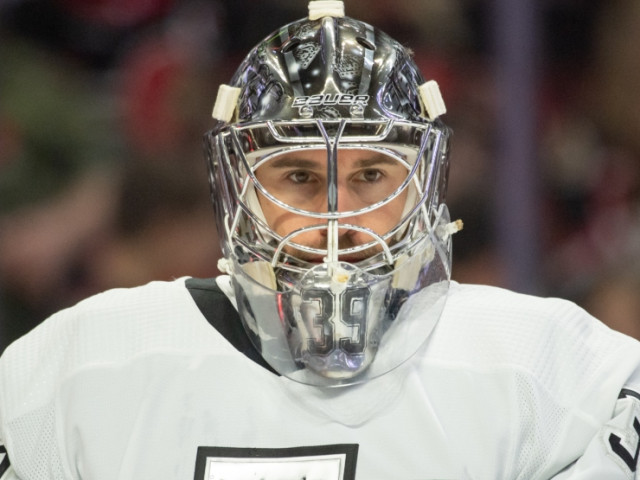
(549, 339)
(125, 334)
(110, 328)
(111, 317)
(524, 318)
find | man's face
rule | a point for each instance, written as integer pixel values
(299, 179)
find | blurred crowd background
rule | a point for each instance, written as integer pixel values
(103, 104)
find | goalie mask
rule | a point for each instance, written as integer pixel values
(328, 167)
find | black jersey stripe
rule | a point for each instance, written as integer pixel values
(222, 315)
(625, 392)
(4, 464)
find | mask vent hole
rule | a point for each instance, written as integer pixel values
(290, 44)
(365, 43)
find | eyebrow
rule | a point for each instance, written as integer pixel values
(376, 160)
(294, 162)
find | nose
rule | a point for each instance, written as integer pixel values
(347, 200)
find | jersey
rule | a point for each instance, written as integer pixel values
(161, 381)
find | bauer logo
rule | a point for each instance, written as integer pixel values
(330, 99)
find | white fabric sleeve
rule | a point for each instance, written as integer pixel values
(613, 453)
(9, 474)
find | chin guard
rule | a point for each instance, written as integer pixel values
(326, 326)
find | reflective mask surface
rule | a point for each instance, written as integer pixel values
(329, 190)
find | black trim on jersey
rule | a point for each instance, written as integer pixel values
(350, 451)
(5, 464)
(222, 315)
(630, 458)
(625, 392)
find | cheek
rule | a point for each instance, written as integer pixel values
(272, 213)
(280, 220)
(388, 216)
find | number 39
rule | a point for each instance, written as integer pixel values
(354, 303)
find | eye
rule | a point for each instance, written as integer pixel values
(299, 176)
(369, 175)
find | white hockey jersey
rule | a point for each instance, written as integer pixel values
(138, 384)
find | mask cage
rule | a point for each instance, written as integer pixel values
(235, 152)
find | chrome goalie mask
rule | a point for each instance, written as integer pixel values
(328, 167)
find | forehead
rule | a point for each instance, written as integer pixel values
(319, 157)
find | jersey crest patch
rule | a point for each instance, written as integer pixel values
(4, 461)
(322, 462)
